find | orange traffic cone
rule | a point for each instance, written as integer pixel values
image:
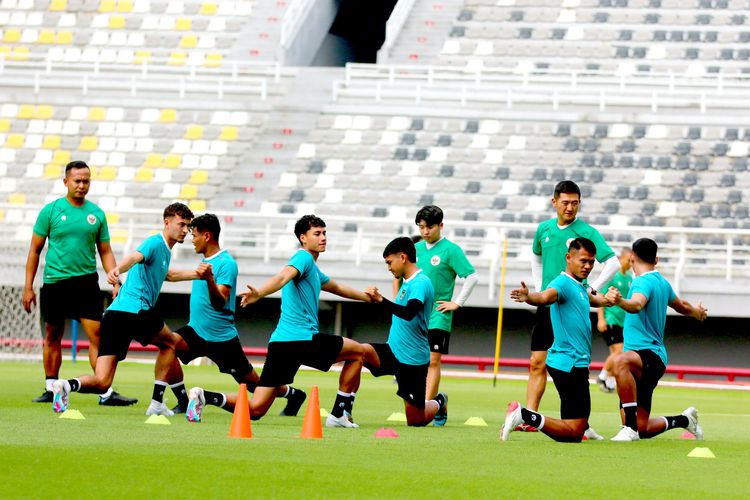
(240, 427)
(311, 428)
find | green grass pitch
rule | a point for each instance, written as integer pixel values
(114, 454)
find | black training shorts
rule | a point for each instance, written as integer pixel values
(439, 340)
(411, 379)
(72, 298)
(653, 370)
(119, 328)
(228, 354)
(573, 388)
(541, 334)
(284, 358)
(612, 335)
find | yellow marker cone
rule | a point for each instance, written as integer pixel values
(476, 422)
(701, 453)
(158, 420)
(72, 415)
(397, 417)
(323, 413)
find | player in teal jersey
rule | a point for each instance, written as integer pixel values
(644, 358)
(407, 353)
(76, 230)
(131, 316)
(610, 321)
(441, 260)
(570, 353)
(550, 245)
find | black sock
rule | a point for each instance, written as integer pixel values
(349, 408)
(340, 404)
(214, 398)
(159, 388)
(676, 421)
(631, 416)
(179, 391)
(291, 391)
(531, 418)
(75, 384)
(440, 401)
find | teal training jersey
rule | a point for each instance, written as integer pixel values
(615, 315)
(143, 281)
(645, 330)
(73, 233)
(408, 339)
(441, 264)
(571, 325)
(299, 300)
(552, 244)
(215, 325)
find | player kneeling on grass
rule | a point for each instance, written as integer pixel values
(644, 358)
(407, 351)
(570, 355)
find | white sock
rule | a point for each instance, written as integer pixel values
(48, 384)
(107, 394)
(611, 382)
(603, 374)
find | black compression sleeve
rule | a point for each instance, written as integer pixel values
(406, 312)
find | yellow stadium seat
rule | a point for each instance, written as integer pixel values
(58, 5)
(198, 177)
(144, 174)
(5, 50)
(61, 157)
(118, 236)
(172, 161)
(46, 36)
(107, 173)
(14, 141)
(11, 35)
(51, 142)
(2, 215)
(213, 60)
(19, 54)
(208, 9)
(125, 6)
(141, 56)
(53, 171)
(194, 132)
(94, 172)
(197, 205)
(168, 115)
(17, 199)
(228, 134)
(177, 59)
(96, 114)
(153, 160)
(88, 143)
(188, 191)
(183, 24)
(116, 22)
(64, 38)
(188, 42)
(43, 112)
(4, 124)
(106, 5)
(113, 218)
(25, 111)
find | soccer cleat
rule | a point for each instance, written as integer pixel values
(604, 387)
(612, 383)
(693, 426)
(293, 403)
(60, 391)
(342, 421)
(512, 419)
(525, 428)
(158, 408)
(196, 403)
(178, 409)
(626, 434)
(117, 399)
(441, 417)
(46, 397)
(592, 435)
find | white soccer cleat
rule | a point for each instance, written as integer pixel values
(60, 392)
(611, 384)
(342, 421)
(512, 419)
(626, 434)
(693, 427)
(156, 408)
(592, 435)
(197, 400)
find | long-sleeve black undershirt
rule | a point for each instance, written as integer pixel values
(406, 312)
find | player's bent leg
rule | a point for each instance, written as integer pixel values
(565, 431)
(433, 375)
(537, 379)
(91, 327)
(52, 348)
(261, 401)
(627, 369)
(419, 417)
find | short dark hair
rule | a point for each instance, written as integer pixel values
(307, 222)
(584, 243)
(402, 244)
(207, 223)
(568, 187)
(645, 249)
(431, 214)
(178, 209)
(415, 238)
(75, 164)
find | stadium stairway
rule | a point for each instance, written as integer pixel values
(421, 39)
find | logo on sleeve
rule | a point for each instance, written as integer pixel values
(91, 219)
(435, 260)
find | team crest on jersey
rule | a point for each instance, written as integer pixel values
(402, 294)
(91, 219)
(64, 218)
(546, 239)
(435, 260)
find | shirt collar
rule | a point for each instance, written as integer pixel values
(430, 246)
(406, 280)
(215, 255)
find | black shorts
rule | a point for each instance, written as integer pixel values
(411, 379)
(119, 328)
(439, 340)
(653, 370)
(228, 355)
(573, 388)
(541, 334)
(73, 298)
(284, 358)
(612, 335)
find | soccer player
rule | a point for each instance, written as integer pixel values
(131, 315)
(211, 331)
(406, 354)
(570, 354)
(610, 321)
(644, 358)
(550, 245)
(441, 261)
(76, 229)
(296, 341)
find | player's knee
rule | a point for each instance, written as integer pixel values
(537, 364)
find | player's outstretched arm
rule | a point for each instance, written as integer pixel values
(182, 275)
(611, 266)
(632, 305)
(113, 276)
(274, 284)
(547, 297)
(599, 300)
(687, 309)
(345, 291)
(32, 265)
